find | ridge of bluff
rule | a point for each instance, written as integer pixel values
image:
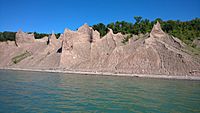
(84, 50)
(22, 37)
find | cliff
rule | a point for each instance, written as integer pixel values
(84, 50)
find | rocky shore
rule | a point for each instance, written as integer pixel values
(108, 74)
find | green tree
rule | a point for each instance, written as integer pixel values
(137, 19)
(101, 28)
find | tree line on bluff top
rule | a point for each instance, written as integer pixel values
(7, 35)
(187, 31)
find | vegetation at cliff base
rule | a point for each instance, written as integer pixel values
(20, 57)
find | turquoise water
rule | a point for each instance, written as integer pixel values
(55, 92)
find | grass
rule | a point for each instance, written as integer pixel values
(125, 40)
(195, 52)
(21, 57)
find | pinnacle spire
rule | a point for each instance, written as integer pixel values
(157, 31)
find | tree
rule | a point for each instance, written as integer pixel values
(7, 35)
(137, 19)
(145, 26)
(101, 28)
(111, 25)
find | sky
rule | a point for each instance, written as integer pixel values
(46, 16)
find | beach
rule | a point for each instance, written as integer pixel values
(108, 74)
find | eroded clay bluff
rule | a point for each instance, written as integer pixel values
(84, 50)
(28, 52)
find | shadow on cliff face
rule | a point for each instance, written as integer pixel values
(59, 50)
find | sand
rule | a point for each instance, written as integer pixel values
(109, 74)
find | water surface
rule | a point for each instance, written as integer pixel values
(22, 92)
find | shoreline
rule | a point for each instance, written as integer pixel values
(108, 74)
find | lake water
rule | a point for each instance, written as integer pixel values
(39, 92)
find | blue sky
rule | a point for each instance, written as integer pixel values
(45, 16)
